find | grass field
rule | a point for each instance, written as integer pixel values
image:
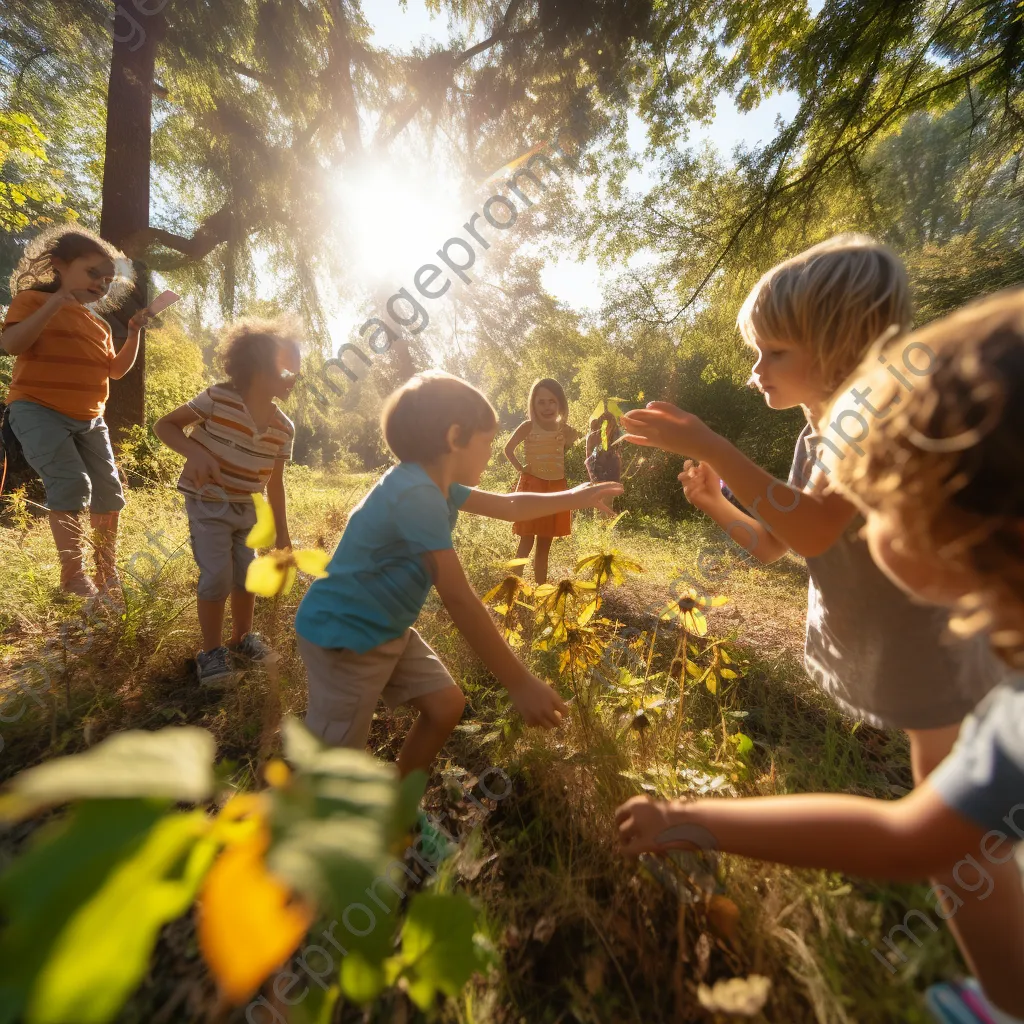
(582, 935)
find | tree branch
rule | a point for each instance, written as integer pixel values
(450, 61)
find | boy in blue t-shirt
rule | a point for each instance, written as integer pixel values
(938, 471)
(355, 626)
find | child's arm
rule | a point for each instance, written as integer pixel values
(523, 505)
(703, 490)
(517, 438)
(572, 435)
(592, 440)
(278, 504)
(201, 467)
(809, 522)
(20, 337)
(125, 359)
(902, 840)
(535, 700)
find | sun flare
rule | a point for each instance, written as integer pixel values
(395, 219)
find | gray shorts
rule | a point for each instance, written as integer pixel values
(344, 687)
(217, 530)
(73, 457)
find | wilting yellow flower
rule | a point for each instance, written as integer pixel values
(274, 573)
(264, 533)
(687, 608)
(249, 920)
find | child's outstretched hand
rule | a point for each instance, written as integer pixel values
(666, 426)
(653, 826)
(595, 495)
(538, 703)
(701, 484)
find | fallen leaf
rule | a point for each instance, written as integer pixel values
(703, 951)
(593, 974)
(724, 917)
(743, 997)
(544, 929)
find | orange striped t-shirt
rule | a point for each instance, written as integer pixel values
(245, 454)
(68, 366)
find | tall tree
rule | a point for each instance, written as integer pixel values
(126, 183)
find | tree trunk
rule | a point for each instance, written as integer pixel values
(126, 178)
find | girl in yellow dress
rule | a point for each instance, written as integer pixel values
(545, 436)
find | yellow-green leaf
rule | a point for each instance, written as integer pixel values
(265, 576)
(264, 533)
(312, 561)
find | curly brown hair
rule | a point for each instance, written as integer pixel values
(250, 346)
(69, 242)
(946, 460)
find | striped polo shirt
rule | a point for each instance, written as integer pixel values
(67, 368)
(246, 456)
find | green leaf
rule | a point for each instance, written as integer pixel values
(47, 885)
(102, 954)
(361, 981)
(331, 829)
(438, 951)
(744, 744)
(173, 763)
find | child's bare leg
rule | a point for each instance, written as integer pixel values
(439, 713)
(242, 605)
(989, 930)
(211, 622)
(525, 545)
(540, 560)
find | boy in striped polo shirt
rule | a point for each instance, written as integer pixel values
(238, 445)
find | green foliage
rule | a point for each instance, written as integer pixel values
(85, 903)
(175, 369)
(173, 764)
(438, 952)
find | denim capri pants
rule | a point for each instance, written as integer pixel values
(73, 457)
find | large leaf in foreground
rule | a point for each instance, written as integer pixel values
(102, 953)
(331, 829)
(50, 882)
(438, 951)
(173, 763)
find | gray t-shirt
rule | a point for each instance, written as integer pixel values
(983, 776)
(880, 656)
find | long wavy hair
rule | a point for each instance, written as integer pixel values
(69, 242)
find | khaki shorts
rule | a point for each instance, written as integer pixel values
(344, 687)
(217, 530)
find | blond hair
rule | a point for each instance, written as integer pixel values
(835, 299)
(945, 461)
(417, 417)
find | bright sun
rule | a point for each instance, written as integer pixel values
(395, 220)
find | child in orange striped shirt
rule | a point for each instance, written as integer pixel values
(544, 436)
(65, 359)
(239, 443)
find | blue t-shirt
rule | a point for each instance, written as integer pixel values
(983, 776)
(378, 578)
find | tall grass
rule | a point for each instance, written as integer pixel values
(583, 935)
